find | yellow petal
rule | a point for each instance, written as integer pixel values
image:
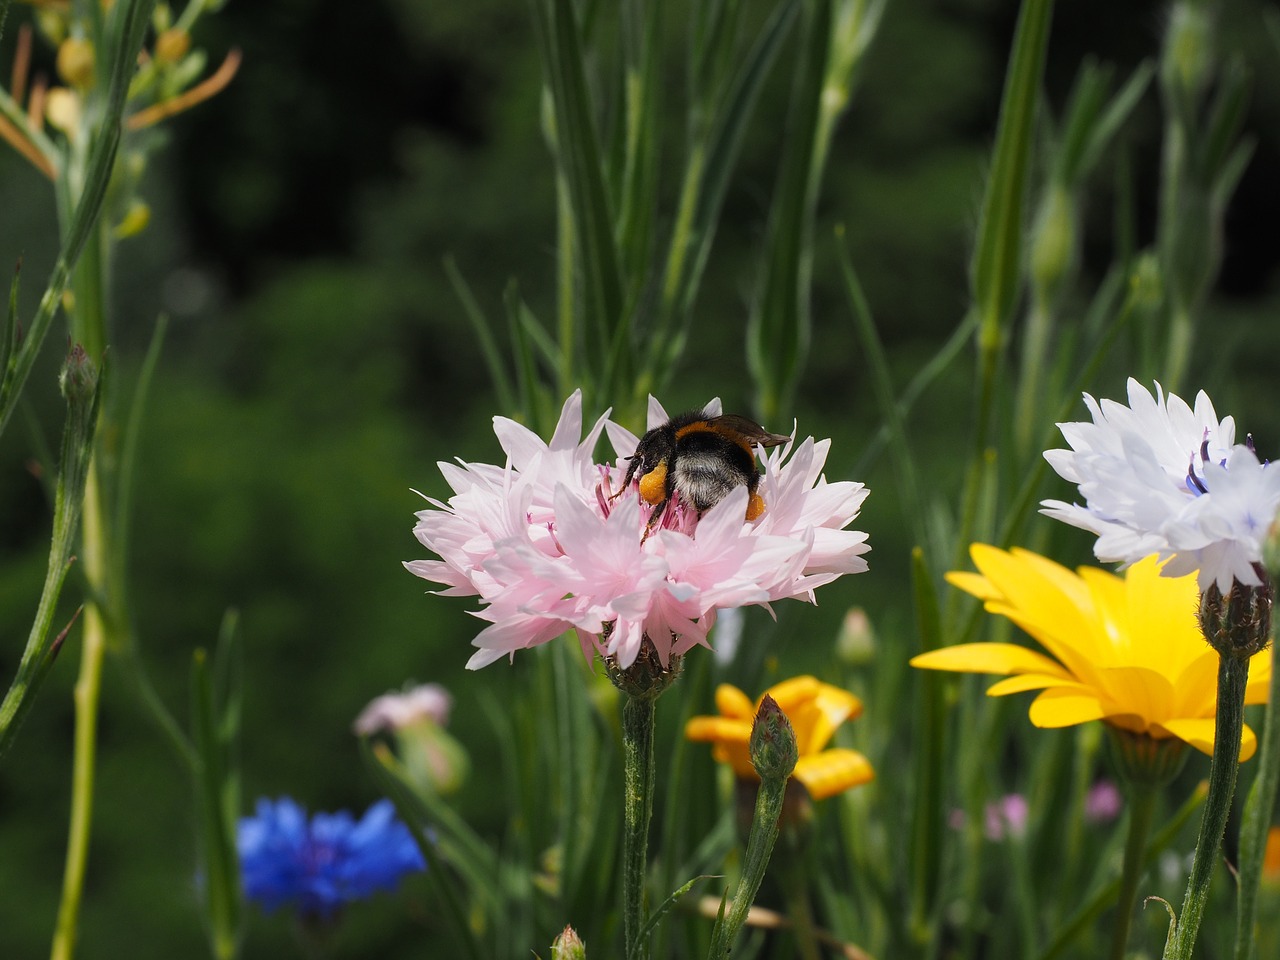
(791, 693)
(1197, 684)
(973, 583)
(829, 708)
(1046, 600)
(989, 658)
(1023, 682)
(1065, 707)
(717, 729)
(732, 702)
(1258, 689)
(1139, 690)
(828, 773)
(1199, 733)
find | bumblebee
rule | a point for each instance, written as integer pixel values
(702, 458)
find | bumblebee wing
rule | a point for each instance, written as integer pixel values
(745, 431)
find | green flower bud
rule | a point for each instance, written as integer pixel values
(1239, 624)
(1187, 60)
(1053, 242)
(856, 642)
(568, 946)
(79, 377)
(773, 747)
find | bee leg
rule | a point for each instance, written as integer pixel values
(654, 519)
(755, 507)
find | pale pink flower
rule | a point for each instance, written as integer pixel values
(395, 711)
(549, 545)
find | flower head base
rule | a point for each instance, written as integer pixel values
(318, 865)
(549, 545)
(1160, 477)
(1128, 651)
(1238, 624)
(815, 711)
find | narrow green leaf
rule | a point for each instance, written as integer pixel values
(924, 378)
(1226, 118)
(128, 461)
(9, 336)
(882, 380)
(642, 102)
(778, 326)
(578, 153)
(222, 901)
(454, 840)
(997, 260)
(484, 336)
(83, 388)
(927, 812)
(526, 370)
(1114, 117)
(386, 774)
(706, 180)
(661, 910)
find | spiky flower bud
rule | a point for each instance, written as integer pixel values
(773, 747)
(79, 377)
(568, 946)
(1239, 624)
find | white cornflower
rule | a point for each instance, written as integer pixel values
(1158, 476)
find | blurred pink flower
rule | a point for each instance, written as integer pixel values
(1103, 802)
(1006, 817)
(395, 711)
(1002, 818)
(548, 545)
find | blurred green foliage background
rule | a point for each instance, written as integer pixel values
(318, 365)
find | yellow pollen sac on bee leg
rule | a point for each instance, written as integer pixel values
(653, 485)
(755, 507)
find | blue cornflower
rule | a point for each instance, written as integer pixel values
(321, 864)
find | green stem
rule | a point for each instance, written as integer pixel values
(790, 858)
(1233, 674)
(638, 779)
(1142, 805)
(1256, 823)
(87, 690)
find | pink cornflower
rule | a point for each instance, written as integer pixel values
(548, 544)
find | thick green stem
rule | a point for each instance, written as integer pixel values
(1142, 805)
(1233, 674)
(637, 767)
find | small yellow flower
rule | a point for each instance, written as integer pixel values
(815, 710)
(75, 62)
(1127, 650)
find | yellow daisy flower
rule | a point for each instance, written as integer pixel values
(1127, 650)
(815, 710)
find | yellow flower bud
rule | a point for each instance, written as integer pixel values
(62, 110)
(75, 62)
(172, 45)
(134, 222)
